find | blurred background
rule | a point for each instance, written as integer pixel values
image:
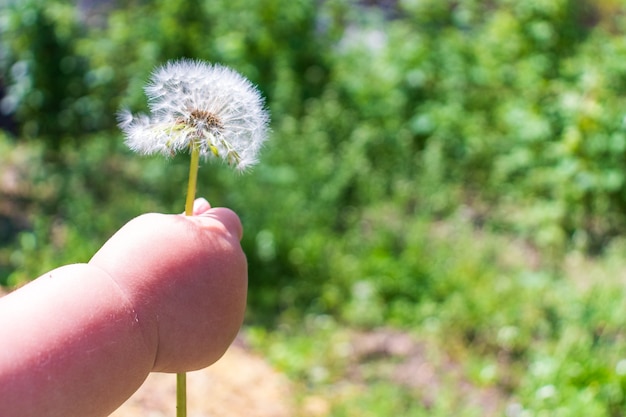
(437, 225)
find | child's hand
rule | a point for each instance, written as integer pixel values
(186, 278)
(165, 293)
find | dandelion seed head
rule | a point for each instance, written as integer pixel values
(193, 103)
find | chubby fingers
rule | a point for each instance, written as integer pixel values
(186, 277)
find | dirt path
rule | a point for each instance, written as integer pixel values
(240, 384)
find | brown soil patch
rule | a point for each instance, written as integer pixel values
(240, 384)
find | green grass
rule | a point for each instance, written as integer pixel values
(495, 332)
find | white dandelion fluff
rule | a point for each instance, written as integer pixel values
(196, 104)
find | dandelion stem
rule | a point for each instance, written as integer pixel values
(181, 378)
(181, 395)
(193, 179)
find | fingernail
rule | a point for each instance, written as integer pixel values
(201, 205)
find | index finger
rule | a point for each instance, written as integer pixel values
(228, 218)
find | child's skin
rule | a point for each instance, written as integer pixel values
(166, 293)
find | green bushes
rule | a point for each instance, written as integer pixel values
(43, 71)
(516, 107)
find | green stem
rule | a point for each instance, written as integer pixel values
(193, 180)
(181, 395)
(181, 378)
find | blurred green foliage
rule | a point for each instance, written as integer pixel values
(414, 146)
